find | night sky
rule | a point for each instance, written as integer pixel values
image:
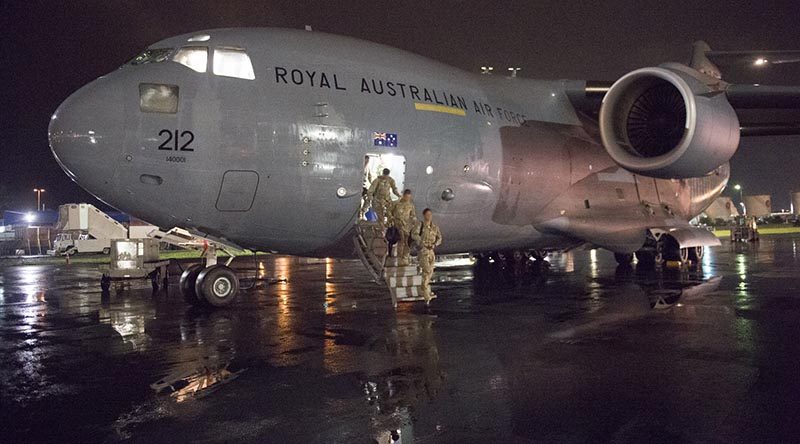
(50, 49)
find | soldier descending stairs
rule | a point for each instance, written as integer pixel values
(404, 281)
(392, 266)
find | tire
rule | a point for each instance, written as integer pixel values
(652, 258)
(696, 254)
(155, 277)
(105, 283)
(646, 258)
(662, 250)
(623, 258)
(187, 284)
(684, 254)
(218, 285)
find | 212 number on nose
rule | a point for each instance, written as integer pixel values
(176, 140)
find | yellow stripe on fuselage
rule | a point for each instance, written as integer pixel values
(439, 108)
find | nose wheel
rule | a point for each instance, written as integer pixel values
(216, 285)
(187, 284)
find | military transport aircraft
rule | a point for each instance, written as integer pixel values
(257, 137)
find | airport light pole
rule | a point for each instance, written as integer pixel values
(486, 69)
(514, 71)
(738, 188)
(38, 192)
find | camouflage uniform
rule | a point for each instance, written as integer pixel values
(429, 237)
(403, 216)
(380, 193)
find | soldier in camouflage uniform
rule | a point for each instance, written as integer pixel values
(403, 216)
(428, 237)
(380, 194)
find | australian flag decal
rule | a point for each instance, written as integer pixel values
(384, 139)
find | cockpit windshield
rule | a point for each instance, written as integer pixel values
(233, 62)
(194, 57)
(151, 56)
(227, 61)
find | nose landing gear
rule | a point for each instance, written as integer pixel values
(188, 281)
(209, 283)
(215, 286)
(218, 285)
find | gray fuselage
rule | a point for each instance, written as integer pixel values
(277, 162)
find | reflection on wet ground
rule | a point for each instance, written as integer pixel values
(581, 352)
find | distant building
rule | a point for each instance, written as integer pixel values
(722, 208)
(758, 205)
(27, 232)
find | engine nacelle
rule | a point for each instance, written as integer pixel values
(667, 122)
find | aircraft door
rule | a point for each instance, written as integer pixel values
(237, 191)
(374, 163)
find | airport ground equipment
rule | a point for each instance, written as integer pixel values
(178, 237)
(744, 229)
(134, 259)
(83, 228)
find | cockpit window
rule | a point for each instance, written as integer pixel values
(158, 98)
(195, 57)
(233, 62)
(151, 56)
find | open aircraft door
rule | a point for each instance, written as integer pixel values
(374, 163)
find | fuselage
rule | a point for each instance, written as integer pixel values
(272, 157)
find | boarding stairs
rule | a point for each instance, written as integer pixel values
(404, 281)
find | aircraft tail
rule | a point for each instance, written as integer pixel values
(701, 62)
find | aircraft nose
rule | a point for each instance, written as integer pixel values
(85, 135)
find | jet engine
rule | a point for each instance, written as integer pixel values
(668, 122)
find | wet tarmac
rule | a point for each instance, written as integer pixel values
(582, 352)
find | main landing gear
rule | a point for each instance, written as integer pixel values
(212, 284)
(657, 252)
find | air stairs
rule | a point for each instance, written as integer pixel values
(404, 281)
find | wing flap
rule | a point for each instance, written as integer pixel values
(763, 96)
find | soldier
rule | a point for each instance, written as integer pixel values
(403, 216)
(380, 193)
(428, 237)
(365, 200)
